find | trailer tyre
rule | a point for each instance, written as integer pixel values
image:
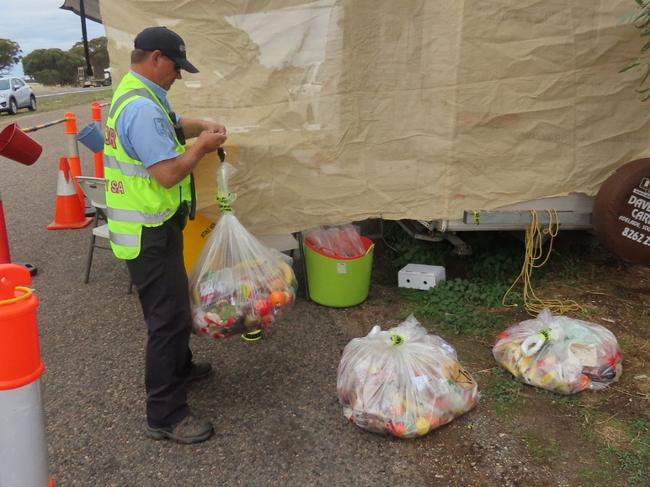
(621, 212)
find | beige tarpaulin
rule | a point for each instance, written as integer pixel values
(339, 110)
(91, 8)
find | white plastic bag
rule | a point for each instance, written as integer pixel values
(238, 284)
(403, 381)
(560, 354)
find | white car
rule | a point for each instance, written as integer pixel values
(15, 94)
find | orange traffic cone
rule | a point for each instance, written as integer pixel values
(69, 213)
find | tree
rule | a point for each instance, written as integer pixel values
(9, 54)
(51, 66)
(642, 23)
(98, 54)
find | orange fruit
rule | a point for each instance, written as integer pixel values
(278, 298)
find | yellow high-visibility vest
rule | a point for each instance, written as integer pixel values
(134, 199)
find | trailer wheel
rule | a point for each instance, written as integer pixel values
(621, 212)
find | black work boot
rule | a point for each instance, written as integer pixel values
(190, 430)
(199, 371)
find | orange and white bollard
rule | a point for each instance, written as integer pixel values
(96, 115)
(70, 129)
(68, 210)
(23, 451)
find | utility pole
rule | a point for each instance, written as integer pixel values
(82, 14)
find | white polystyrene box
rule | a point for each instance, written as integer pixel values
(419, 276)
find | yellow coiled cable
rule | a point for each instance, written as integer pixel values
(534, 253)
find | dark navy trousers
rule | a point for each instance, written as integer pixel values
(158, 274)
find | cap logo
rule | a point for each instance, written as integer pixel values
(181, 48)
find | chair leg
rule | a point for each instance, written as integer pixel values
(89, 260)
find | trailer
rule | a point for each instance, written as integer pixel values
(456, 118)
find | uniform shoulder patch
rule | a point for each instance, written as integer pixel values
(162, 126)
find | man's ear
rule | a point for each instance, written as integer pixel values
(155, 56)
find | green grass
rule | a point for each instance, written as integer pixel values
(631, 456)
(470, 300)
(50, 103)
(461, 305)
(559, 399)
(503, 389)
(634, 459)
(542, 448)
(601, 476)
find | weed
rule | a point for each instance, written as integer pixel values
(461, 304)
(589, 312)
(636, 461)
(640, 428)
(623, 444)
(470, 301)
(599, 476)
(502, 388)
(542, 448)
(634, 465)
(560, 399)
(468, 304)
(569, 267)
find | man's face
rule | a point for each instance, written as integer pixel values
(167, 71)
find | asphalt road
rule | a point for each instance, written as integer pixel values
(274, 402)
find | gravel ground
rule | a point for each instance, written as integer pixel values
(273, 402)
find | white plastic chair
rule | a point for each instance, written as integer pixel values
(94, 190)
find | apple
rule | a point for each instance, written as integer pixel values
(263, 307)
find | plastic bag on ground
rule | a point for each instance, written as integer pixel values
(403, 381)
(560, 354)
(336, 241)
(238, 284)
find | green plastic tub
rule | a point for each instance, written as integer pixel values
(338, 282)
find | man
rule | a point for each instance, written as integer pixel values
(149, 194)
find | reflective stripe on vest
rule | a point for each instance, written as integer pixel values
(124, 239)
(126, 169)
(134, 216)
(136, 92)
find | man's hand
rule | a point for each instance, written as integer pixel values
(194, 126)
(214, 127)
(210, 140)
(171, 171)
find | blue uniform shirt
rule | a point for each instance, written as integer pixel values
(144, 128)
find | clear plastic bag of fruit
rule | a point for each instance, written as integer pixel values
(238, 285)
(560, 354)
(403, 381)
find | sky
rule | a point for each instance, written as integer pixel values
(41, 24)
